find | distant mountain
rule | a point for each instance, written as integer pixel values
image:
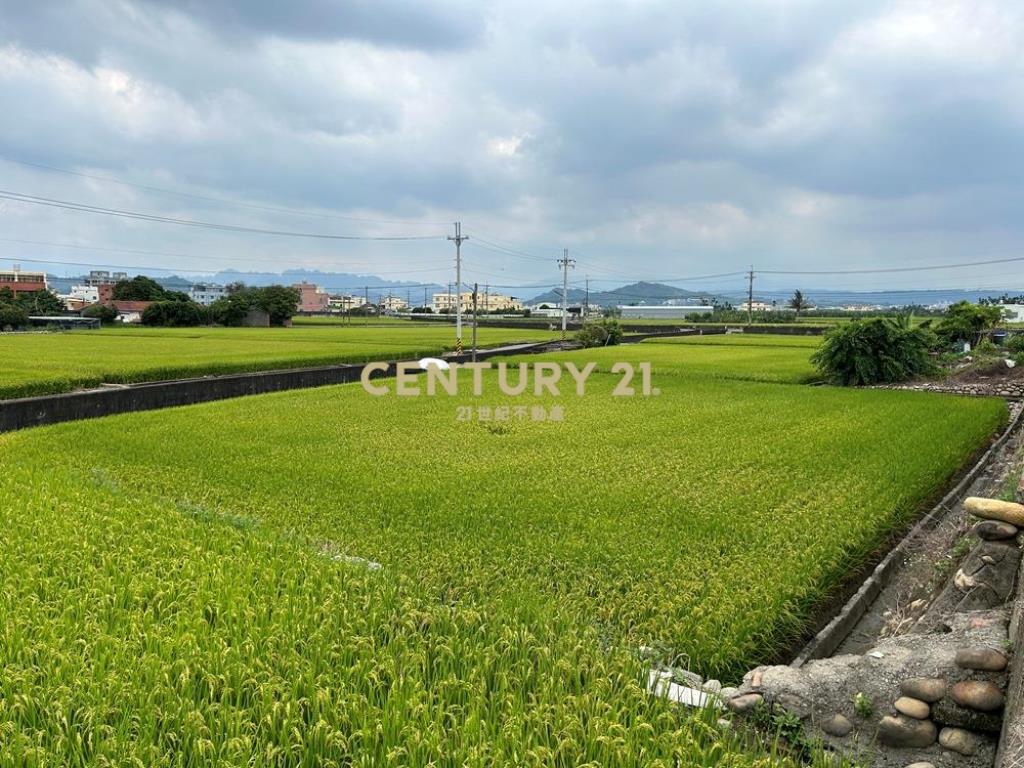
(334, 282)
(828, 298)
(634, 293)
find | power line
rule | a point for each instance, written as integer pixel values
(219, 200)
(143, 252)
(888, 269)
(83, 207)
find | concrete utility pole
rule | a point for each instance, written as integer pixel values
(750, 296)
(474, 321)
(586, 300)
(565, 262)
(458, 238)
(366, 304)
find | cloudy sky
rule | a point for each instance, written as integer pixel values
(653, 139)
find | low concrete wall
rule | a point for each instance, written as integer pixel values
(106, 401)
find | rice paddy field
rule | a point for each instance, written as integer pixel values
(324, 577)
(43, 363)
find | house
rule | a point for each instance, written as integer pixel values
(312, 298)
(344, 303)
(257, 318)
(206, 293)
(99, 277)
(129, 311)
(18, 281)
(1013, 313)
(668, 311)
(393, 303)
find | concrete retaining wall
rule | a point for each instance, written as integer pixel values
(105, 401)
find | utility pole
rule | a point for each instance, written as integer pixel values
(366, 304)
(474, 321)
(425, 298)
(586, 300)
(750, 296)
(487, 299)
(565, 262)
(458, 238)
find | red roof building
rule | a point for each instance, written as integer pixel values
(23, 282)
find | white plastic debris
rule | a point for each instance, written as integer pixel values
(660, 684)
(369, 565)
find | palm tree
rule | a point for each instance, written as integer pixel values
(798, 302)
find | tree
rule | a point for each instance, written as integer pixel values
(42, 302)
(12, 317)
(875, 351)
(964, 321)
(174, 314)
(139, 288)
(798, 302)
(278, 301)
(105, 313)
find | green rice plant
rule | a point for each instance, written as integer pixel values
(43, 363)
(192, 586)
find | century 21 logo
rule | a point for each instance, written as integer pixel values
(544, 377)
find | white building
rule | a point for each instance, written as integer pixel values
(669, 311)
(393, 303)
(90, 294)
(345, 302)
(103, 277)
(758, 306)
(1013, 313)
(206, 293)
(485, 302)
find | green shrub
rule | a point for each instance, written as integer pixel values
(605, 333)
(1015, 344)
(964, 321)
(875, 351)
(105, 313)
(174, 314)
(12, 317)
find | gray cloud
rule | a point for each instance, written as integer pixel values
(663, 136)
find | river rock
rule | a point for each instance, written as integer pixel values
(994, 509)
(837, 725)
(994, 530)
(985, 659)
(958, 740)
(921, 765)
(914, 708)
(743, 704)
(928, 689)
(906, 732)
(978, 694)
(712, 686)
